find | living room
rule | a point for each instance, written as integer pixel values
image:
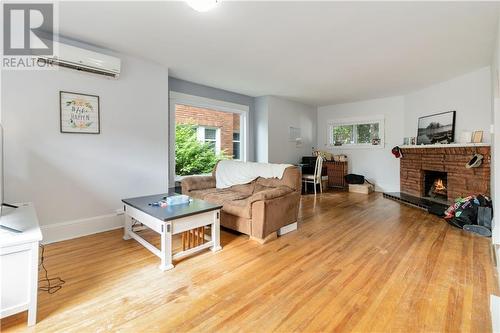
(157, 157)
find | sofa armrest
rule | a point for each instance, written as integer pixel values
(197, 183)
(269, 215)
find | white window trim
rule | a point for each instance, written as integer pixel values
(357, 121)
(239, 141)
(200, 133)
(207, 103)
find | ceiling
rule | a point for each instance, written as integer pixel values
(317, 53)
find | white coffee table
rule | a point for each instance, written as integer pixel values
(169, 221)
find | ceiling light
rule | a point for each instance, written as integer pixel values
(202, 5)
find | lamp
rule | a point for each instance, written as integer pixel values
(202, 5)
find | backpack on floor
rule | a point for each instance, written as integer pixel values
(354, 179)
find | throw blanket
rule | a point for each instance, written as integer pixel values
(229, 173)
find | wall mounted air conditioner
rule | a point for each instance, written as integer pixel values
(84, 60)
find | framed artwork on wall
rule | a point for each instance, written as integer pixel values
(79, 113)
(436, 128)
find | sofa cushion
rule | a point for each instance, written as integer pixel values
(241, 208)
(233, 202)
(245, 188)
(271, 193)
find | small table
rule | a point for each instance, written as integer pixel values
(169, 221)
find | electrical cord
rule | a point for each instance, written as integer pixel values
(51, 285)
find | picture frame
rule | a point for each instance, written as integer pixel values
(79, 113)
(477, 137)
(437, 128)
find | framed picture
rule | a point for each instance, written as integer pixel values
(79, 113)
(477, 137)
(436, 128)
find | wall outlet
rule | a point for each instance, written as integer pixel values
(119, 212)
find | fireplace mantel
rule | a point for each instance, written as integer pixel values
(449, 145)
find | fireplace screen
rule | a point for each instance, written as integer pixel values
(435, 185)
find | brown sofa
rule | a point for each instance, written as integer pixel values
(259, 208)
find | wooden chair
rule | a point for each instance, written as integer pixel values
(316, 177)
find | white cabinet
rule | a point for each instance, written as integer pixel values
(19, 262)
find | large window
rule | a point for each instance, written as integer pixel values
(206, 131)
(361, 132)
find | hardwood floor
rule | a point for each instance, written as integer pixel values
(357, 263)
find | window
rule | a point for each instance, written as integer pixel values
(201, 134)
(210, 136)
(357, 132)
(236, 146)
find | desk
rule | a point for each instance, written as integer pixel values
(19, 262)
(336, 172)
(170, 221)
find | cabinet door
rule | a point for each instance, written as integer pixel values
(15, 275)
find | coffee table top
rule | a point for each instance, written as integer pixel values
(169, 213)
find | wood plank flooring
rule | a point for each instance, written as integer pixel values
(356, 264)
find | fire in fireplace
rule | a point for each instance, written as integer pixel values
(435, 183)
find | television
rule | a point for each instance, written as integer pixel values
(1, 169)
(3, 205)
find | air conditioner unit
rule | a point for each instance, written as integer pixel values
(84, 60)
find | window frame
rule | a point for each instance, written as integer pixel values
(354, 122)
(200, 133)
(207, 103)
(239, 143)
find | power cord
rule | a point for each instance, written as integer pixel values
(51, 285)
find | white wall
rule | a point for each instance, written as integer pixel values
(82, 177)
(284, 114)
(261, 123)
(495, 137)
(376, 164)
(273, 118)
(469, 95)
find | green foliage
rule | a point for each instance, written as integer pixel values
(193, 157)
(343, 134)
(367, 132)
(364, 133)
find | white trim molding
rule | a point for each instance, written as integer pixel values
(83, 227)
(208, 103)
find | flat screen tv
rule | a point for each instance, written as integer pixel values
(3, 205)
(1, 169)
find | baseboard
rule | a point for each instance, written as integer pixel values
(495, 313)
(73, 229)
(287, 228)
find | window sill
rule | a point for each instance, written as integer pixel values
(356, 146)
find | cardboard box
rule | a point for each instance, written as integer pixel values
(361, 188)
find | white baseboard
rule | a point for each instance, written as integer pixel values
(287, 228)
(73, 229)
(495, 313)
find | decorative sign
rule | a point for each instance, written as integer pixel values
(294, 133)
(79, 113)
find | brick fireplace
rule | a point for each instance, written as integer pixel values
(421, 169)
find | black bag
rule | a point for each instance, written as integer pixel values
(354, 179)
